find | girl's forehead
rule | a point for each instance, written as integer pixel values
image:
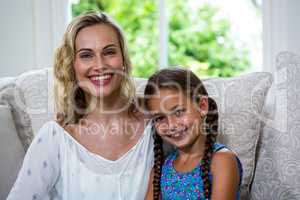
(166, 100)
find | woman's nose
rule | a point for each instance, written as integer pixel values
(99, 62)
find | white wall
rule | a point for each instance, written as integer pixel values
(281, 29)
(30, 32)
(16, 37)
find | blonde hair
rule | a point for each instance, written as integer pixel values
(67, 95)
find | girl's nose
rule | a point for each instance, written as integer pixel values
(172, 123)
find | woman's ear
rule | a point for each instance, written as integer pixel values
(203, 105)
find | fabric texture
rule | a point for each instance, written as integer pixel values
(278, 168)
(187, 185)
(36, 87)
(12, 151)
(56, 166)
(240, 103)
(12, 97)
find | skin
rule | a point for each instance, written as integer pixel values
(98, 52)
(109, 135)
(172, 112)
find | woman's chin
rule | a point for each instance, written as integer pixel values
(100, 91)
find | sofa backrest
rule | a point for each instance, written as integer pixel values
(240, 101)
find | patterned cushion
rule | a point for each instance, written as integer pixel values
(36, 87)
(11, 96)
(240, 102)
(277, 173)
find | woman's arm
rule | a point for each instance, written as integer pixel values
(40, 167)
(225, 174)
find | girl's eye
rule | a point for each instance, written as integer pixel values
(179, 112)
(158, 119)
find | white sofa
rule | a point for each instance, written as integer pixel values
(259, 120)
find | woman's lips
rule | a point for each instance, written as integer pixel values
(101, 80)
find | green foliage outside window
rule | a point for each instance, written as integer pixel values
(197, 38)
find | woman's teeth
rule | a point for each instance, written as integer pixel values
(102, 77)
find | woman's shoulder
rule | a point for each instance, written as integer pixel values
(50, 128)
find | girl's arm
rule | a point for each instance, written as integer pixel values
(149, 195)
(225, 174)
(40, 167)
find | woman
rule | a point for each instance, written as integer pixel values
(101, 146)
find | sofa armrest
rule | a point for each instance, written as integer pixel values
(11, 151)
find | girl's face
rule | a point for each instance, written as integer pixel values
(177, 119)
(98, 60)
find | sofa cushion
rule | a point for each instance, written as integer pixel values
(277, 173)
(36, 86)
(11, 96)
(240, 102)
(11, 152)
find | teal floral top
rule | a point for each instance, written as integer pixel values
(186, 185)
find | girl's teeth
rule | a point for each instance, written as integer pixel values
(175, 135)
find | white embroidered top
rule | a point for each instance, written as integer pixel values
(57, 167)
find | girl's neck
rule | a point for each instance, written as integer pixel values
(195, 150)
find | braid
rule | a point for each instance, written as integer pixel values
(205, 164)
(193, 88)
(158, 161)
(211, 127)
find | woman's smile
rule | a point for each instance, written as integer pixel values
(101, 79)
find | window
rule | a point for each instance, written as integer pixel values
(213, 38)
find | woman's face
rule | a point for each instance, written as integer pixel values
(177, 119)
(98, 61)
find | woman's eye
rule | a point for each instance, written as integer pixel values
(110, 52)
(86, 55)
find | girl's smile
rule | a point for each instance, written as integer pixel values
(177, 119)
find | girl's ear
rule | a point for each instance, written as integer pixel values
(203, 105)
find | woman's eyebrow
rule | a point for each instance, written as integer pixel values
(108, 46)
(83, 49)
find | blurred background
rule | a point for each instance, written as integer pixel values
(213, 38)
(220, 38)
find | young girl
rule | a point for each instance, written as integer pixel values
(185, 117)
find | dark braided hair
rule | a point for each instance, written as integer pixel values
(158, 162)
(191, 85)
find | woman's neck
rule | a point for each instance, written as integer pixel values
(109, 108)
(112, 106)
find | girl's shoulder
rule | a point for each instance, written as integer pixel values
(220, 147)
(225, 157)
(223, 154)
